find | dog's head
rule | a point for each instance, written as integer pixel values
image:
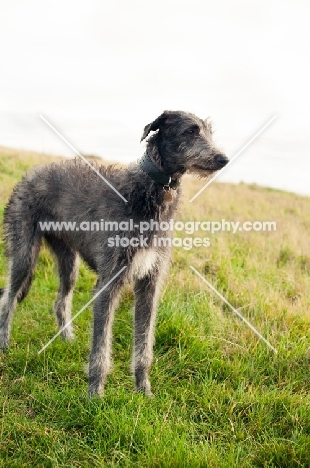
(185, 144)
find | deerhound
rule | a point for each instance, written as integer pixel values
(70, 191)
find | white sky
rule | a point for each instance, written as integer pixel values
(101, 70)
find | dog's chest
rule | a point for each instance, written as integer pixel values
(143, 262)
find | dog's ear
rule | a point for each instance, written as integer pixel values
(159, 122)
(208, 124)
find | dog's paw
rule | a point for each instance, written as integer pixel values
(95, 391)
(4, 342)
(144, 388)
(67, 334)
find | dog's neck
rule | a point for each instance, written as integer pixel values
(150, 168)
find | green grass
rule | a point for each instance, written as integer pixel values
(222, 398)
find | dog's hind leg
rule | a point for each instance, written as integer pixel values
(22, 262)
(68, 262)
(147, 291)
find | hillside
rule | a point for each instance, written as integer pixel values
(222, 397)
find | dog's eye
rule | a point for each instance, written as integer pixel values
(192, 131)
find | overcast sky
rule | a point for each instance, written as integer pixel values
(102, 70)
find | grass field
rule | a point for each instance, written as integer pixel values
(222, 398)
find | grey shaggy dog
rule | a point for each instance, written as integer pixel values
(71, 191)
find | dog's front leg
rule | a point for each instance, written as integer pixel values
(146, 297)
(100, 357)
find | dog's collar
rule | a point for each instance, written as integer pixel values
(156, 174)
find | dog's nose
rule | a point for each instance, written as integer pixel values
(221, 160)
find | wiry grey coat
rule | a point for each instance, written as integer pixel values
(71, 191)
